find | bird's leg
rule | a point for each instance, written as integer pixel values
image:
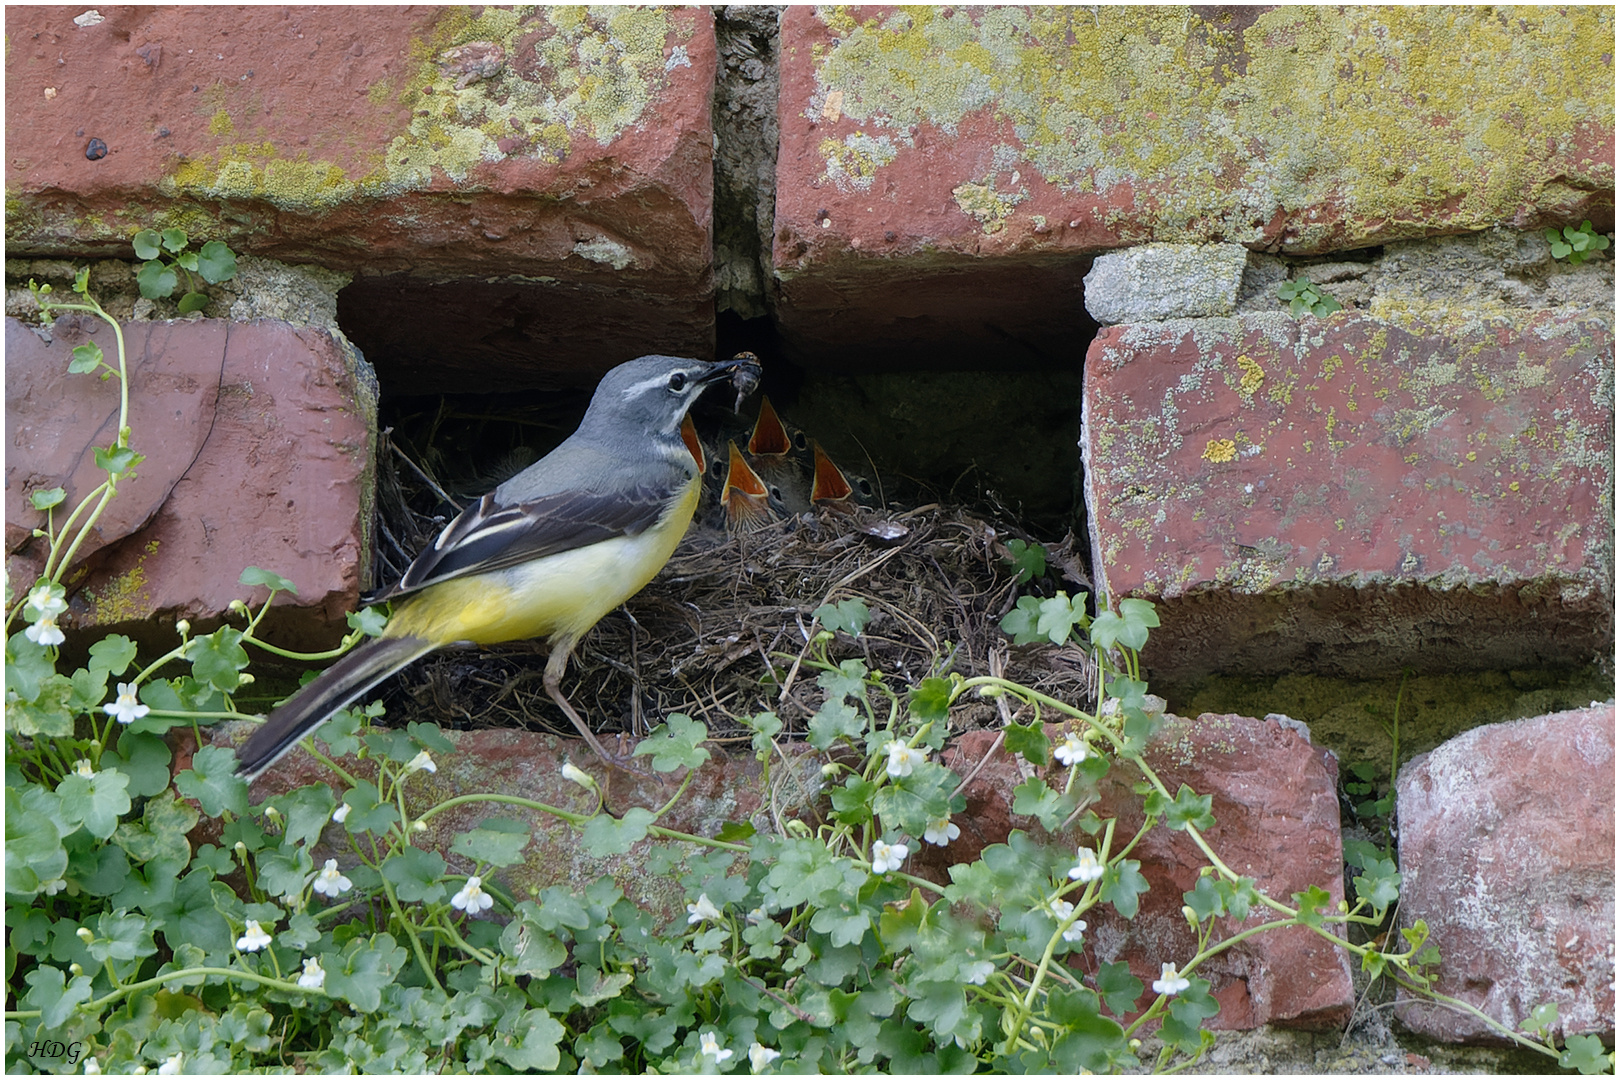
(556, 664)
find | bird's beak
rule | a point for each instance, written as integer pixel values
(770, 438)
(829, 485)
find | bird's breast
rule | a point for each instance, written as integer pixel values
(559, 595)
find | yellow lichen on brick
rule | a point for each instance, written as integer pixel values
(594, 75)
(1096, 96)
(984, 204)
(594, 71)
(853, 163)
(1253, 376)
(123, 598)
(1220, 450)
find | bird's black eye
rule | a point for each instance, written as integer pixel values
(677, 381)
(865, 486)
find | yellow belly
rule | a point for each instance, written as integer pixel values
(560, 596)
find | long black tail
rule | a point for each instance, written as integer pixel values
(335, 687)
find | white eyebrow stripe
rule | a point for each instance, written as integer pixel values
(636, 389)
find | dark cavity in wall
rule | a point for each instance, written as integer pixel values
(956, 383)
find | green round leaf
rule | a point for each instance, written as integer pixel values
(148, 244)
(850, 616)
(255, 576)
(369, 621)
(86, 358)
(44, 500)
(216, 262)
(415, 874)
(156, 280)
(117, 460)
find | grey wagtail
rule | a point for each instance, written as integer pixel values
(546, 554)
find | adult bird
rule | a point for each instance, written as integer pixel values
(546, 554)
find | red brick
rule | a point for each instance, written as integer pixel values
(259, 447)
(1276, 820)
(945, 172)
(1352, 495)
(529, 765)
(1507, 853)
(337, 135)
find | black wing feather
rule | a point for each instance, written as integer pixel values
(490, 537)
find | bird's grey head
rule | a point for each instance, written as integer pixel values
(650, 395)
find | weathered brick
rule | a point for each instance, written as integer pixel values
(1507, 854)
(1155, 282)
(529, 764)
(424, 148)
(1352, 495)
(1276, 820)
(258, 440)
(947, 172)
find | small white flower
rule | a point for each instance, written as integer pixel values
(128, 707)
(760, 1055)
(313, 977)
(941, 831)
(703, 909)
(53, 886)
(46, 632)
(578, 775)
(886, 857)
(422, 760)
(86, 935)
(92, 1067)
(329, 882)
(1169, 981)
(756, 917)
(253, 937)
(83, 768)
(902, 758)
(472, 898)
(171, 1066)
(1072, 750)
(341, 813)
(978, 971)
(1061, 910)
(1088, 868)
(709, 1044)
(48, 598)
